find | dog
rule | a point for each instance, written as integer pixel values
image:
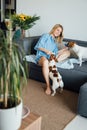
(79, 50)
(54, 75)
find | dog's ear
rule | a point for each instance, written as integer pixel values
(71, 44)
(56, 60)
(52, 56)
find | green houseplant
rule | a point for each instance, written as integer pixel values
(10, 81)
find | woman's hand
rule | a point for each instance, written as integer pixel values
(48, 52)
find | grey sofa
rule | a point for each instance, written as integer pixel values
(73, 78)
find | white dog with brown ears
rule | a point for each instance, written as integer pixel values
(54, 75)
(79, 50)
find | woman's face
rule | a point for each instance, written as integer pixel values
(57, 32)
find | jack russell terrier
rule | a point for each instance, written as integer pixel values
(79, 50)
(54, 75)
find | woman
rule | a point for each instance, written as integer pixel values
(47, 45)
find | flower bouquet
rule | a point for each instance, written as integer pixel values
(24, 21)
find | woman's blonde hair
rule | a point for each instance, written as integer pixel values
(59, 38)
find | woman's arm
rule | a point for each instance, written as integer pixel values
(63, 54)
(62, 48)
(45, 50)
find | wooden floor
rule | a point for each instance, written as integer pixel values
(31, 122)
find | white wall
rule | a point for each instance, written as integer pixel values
(70, 13)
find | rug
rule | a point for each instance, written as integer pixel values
(56, 111)
(78, 123)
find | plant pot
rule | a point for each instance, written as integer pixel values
(10, 119)
(25, 112)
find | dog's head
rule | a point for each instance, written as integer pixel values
(53, 57)
(71, 44)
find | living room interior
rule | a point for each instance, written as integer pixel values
(61, 112)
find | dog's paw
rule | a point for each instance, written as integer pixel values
(60, 90)
(80, 65)
(80, 62)
(52, 94)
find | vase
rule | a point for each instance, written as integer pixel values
(27, 33)
(17, 34)
(22, 33)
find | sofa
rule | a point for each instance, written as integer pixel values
(73, 78)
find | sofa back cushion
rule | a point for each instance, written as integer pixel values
(28, 44)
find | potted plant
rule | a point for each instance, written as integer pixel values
(11, 68)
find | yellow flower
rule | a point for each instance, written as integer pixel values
(22, 17)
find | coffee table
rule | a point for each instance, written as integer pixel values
(31, 122)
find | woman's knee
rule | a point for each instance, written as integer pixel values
(43, 61)
(64, 56)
